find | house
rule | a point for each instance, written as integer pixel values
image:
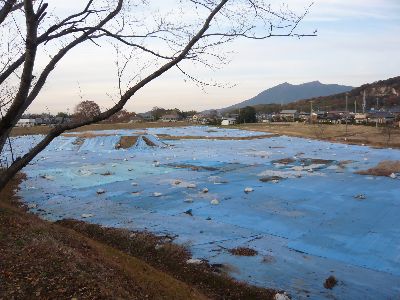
(228, 121)
(289, 114)
(360, 118)
(147, 117)
(25, 123)
(198, 118)
(380, 117)
(170, 118)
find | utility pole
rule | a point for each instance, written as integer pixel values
(364, 102)
(355, 106)
(347, 111)
(310, 112)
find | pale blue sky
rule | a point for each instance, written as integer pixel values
(358, 42)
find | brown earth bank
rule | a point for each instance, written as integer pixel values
(71, 259)
(356, 134)
(384, 168)
(17, 131)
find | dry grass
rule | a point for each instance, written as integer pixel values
(17, 131)
(72, 259)
(384, 168)
(41, 260)
(358, 135)
(164, 255)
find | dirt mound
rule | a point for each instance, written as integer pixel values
(330, 282)
(243, 251)
(384, 168)
(126, 142)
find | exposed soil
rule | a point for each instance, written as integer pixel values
(243, 251)
(223, 138)
(270, 178)
(71, 259)
(384, 168)
(193, 167)
(148, 142)
(342, 164)
(78, 141)
(330, 282)
(318, 161)
(284, 161)
(126, 142)
(107, 173)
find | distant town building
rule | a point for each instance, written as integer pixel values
(170, 118)
(25, 123)
(289, 114)
(380, 117)
(148, 117)
(228, 121)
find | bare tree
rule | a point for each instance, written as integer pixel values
(85, 110)
(31, 30)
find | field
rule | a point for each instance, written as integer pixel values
(275, 211)
(356, 134)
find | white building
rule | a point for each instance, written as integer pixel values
(228, 121)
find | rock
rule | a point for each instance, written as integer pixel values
(189, 212)
(87, 216)
(205, 190)
(214, 202)
(330, 282)
(194, 261)
(156, 194)
(360, 197)
(393, 176)
(281, 296)
(248, 190)
(100, 191)
(177, 182)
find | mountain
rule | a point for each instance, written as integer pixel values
(383, 94)
(285, 93)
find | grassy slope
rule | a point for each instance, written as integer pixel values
(48, 261)
(71, 259)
